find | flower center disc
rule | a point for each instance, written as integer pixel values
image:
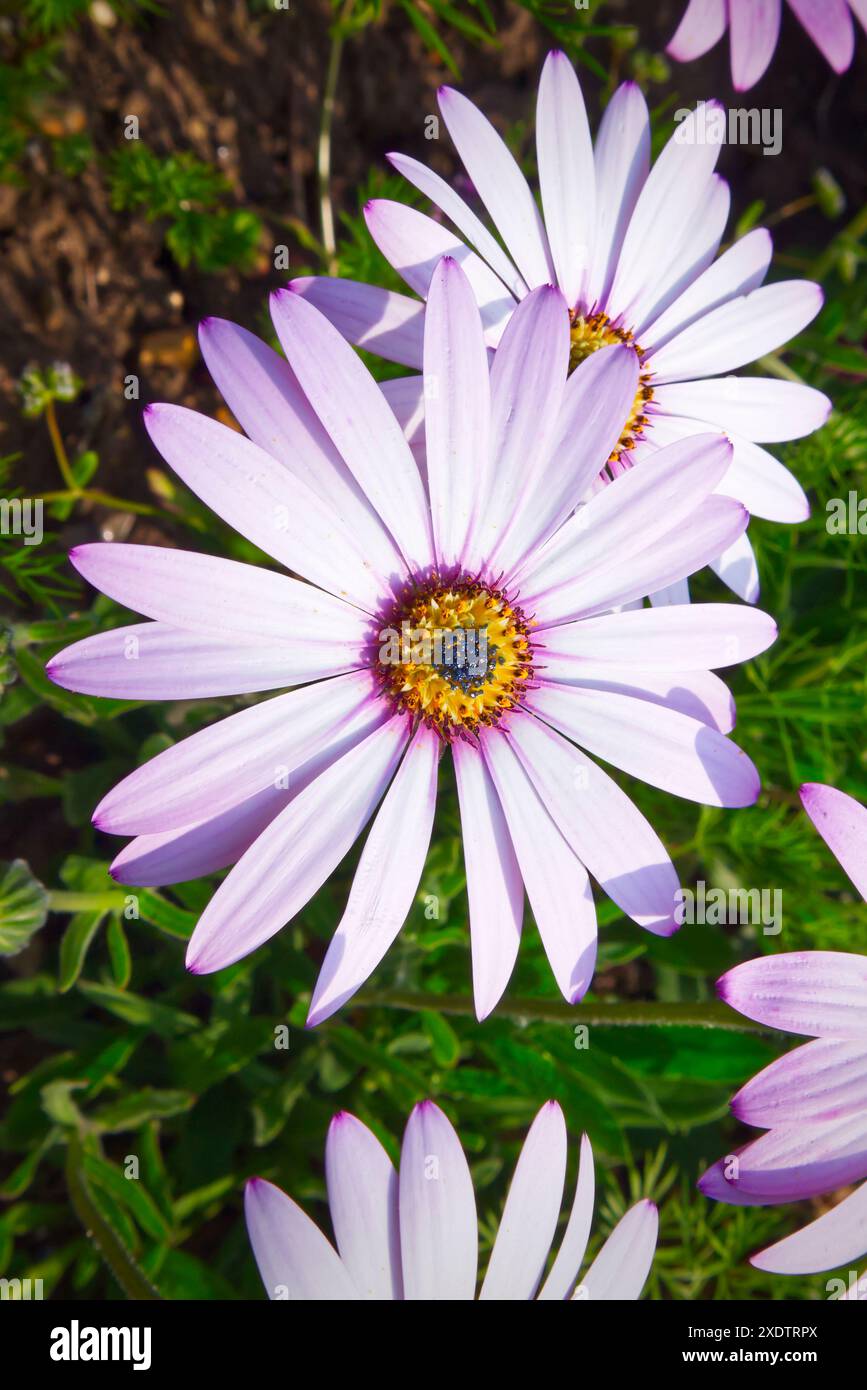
(590, 332)
(456, 655)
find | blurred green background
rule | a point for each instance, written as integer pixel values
(112, 251)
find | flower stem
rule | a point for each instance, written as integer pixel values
(60, 901)
(102, 499)
(60, 448)
(709, 1014)
(323, 156)
(129, 1276)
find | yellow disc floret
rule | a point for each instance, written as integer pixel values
(590, 332)
(455, 654)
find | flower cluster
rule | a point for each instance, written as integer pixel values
(459, 567)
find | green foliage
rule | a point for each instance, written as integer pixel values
(56, 16)
(189, 195)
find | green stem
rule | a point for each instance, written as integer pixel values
(102, 499)
(772, 363)
(59, 447)
(323, 155)
(60, 901)
(710, 1014)
(131, 1279)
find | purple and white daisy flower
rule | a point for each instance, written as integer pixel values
(413, 1233)
(485, 553)
(812, 1101)
(755, 28)
(633, 250)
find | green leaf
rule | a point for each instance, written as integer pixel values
(445, 1044)
(139, 1107)
(118, 951)
(75, 945)
(23, 906)
(135, 1009)
(129, 1192)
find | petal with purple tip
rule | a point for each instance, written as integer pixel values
(294, 1258)
(438, 1229)
(842, 823)
(531, 1213)
(362, 1198)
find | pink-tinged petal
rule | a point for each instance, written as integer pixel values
(837, 1237)
(564, 1271)
(457, 410)
(294, 856)
(842, 823)
(262, 500)
(527, 380)
(699, 243)
(356, 415)
(529, 1221)
(381, 321)
(494, 885)
(621, 1268)
(294, 1258)
(236, 758)
(763, 485)
(438, 1230)
(223, 598)
(703, 25)
(555, 879)
(210, 844)
(500, 185)
(859, 9)
(738, 271)
(463, 217)
(605, 829)
(687, 638)
(820, 993)
(740, 331)
(792, 1163)
(265, 397)
(362, 1197)
(717, 525)
(624, 520)
(386, 880)
(622, 162)
(755, 478)
(661, 746)
(736, 566)
(567, 178)
(759, 408)
(700, 694)
(214, 842)
(152, 661)
(755, 30)
(414, 244)
(669, 200)
(595, 404)
(820, 1080)
(405, 396)
(829, 24)
(671, 594)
